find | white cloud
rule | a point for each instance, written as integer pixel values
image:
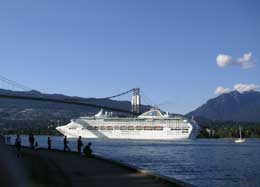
(221, 90)
(224, 60)
(246, 87)
(245, 62)
(241, 88)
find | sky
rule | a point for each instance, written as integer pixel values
(179, 52)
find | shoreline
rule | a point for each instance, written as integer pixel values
(56, 170)
(141, 140)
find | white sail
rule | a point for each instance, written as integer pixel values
(240, 140)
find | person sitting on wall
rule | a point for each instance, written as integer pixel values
(87, 150)
(36, 144)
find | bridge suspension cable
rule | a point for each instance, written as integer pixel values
(117, 95)
(44, 99)
(110, 97)
(136, 102)
(12, 84)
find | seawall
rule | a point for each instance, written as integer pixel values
(42, 167)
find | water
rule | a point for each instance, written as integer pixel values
(201, 162)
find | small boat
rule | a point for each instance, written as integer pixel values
(240, 140)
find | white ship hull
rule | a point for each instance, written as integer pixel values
(81, 128)
(126, 134)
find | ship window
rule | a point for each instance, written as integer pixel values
(175, 129)
(90, 128)
(154, 113)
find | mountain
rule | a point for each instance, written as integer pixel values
(15, 109)
(233, 106)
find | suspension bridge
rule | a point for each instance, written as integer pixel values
(7, 84)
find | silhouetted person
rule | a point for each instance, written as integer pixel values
(80, 144)
(87, 150)
(65, 143)
(31, 141)
(36, 144)
(8, 139)
(49, 143)
(18, 144)
(2, 139)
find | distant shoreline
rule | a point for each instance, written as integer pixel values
(143, 140)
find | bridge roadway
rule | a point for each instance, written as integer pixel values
(66, 101)
(42, 167)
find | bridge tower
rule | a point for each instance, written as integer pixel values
(136, 101)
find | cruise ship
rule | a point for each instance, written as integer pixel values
(151, 125)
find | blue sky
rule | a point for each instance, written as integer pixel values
(98, 48)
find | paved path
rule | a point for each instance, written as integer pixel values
(11, 168)
(56, 168)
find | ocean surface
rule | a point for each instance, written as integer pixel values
(201, 162)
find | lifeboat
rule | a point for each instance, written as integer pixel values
(109, 128)
(116, 128)
(148, 128)
(123, 128)
(103, 128)
(131, 128)
(158, 128)
(139, 128)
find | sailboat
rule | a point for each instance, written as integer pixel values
(240, 140)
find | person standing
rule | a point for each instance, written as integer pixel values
(31, 140)
(49, 143)
(18, 144)
(65, 144)
(80, 144)
(2, 139)
(8, 140)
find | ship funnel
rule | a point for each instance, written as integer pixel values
(136, 101)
